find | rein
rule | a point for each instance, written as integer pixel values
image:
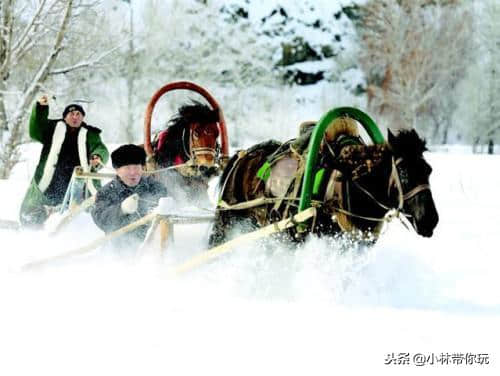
(394, 181)
(195, 151)
(188, 168)
(397, 181)
(414, 191)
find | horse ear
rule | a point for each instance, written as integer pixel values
(390, 137)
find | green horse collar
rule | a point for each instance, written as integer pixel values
(319, 130)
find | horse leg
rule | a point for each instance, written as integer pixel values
(225, 222)
(217, 233)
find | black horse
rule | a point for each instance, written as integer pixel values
(187, 151)
(356, 185)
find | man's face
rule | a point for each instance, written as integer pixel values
(130, 174)
(74, 118)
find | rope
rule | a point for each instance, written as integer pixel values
(241, 154)
(414, 191)
(393, 180)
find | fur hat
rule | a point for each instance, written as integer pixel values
(73, 107)
(128, 155)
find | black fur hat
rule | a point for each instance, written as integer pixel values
(127, 155)
(73, 107)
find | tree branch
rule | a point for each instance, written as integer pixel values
(84, 64)
(29, 26)
(5, 37)
(42, 72)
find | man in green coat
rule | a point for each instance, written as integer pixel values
(67, 143)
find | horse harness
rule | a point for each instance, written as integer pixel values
(394, 182)
(195, 152)
(284, 188)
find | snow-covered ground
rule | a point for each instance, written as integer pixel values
(315, 311)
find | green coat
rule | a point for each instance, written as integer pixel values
(63, 149)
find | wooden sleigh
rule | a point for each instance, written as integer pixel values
(162, 222)
(78, 200)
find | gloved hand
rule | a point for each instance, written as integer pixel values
(130, 204)
(95, 162)
(44, 100)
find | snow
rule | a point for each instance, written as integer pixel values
(262, 310)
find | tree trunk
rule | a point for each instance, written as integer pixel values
(130, 78)
(475, 145)
(491, 147)
(9, 155)
(5, 37)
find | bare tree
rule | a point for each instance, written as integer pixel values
(477, 117)
(413, 52)
(129, 71)
(190, 40)
(33, 40)
(487, 113)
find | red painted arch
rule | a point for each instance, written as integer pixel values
(183, 85)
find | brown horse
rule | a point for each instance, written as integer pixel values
(187, 152)
(357, 185)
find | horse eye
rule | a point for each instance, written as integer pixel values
(196, 134)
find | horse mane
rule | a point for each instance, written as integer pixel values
(178, 139)
(407, 143)
(194, 112)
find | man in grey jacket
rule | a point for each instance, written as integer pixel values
(128, 197)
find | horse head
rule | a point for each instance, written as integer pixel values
(383, 177)
(192, 140)
(409, 181)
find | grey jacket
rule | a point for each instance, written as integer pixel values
(107, 213)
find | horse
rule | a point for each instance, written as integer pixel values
(187, 153)
(356, 187)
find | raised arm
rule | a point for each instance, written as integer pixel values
(39, 125)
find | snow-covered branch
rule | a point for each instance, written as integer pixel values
(5, 36)
(44, 69)
(29, 27)
(9, 153)
(411, 52)
(86, 63)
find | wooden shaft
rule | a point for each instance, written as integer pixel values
(72, 213)
(166, 232)
(9, 224)
(94, 175)
(228, 246)
(92, 245)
